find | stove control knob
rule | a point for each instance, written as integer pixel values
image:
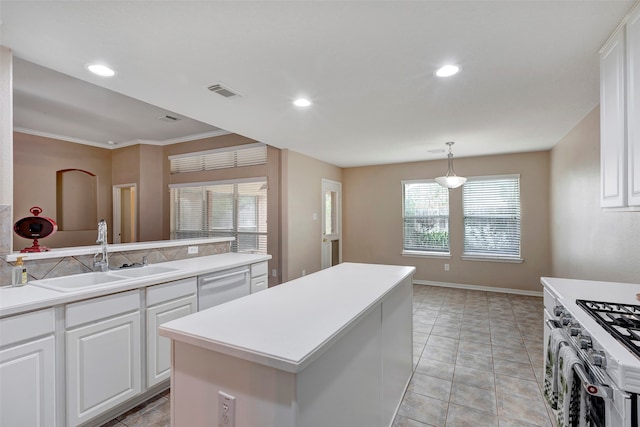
(566, 319)
(584, 341)
(574, 329)
(558, 310)
(597, 358)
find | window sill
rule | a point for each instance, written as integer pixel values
(435, 255)
(489, 258)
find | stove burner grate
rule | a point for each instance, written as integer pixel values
(620, 320)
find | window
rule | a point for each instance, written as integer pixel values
(219, 158)
(236, 208)
(492, 217)
(425, 213)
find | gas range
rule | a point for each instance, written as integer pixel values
(589, 324)
(622, 321)
(600, 323)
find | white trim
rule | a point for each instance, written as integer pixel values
(479, 288)
(223, 182)
(218, 150)
(491, 258)
(124, 143)
(420, 254)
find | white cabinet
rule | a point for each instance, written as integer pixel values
(27, 370)
(633, 107)
(259, 279)
(165, 302)
(620, 116)
(102, 354)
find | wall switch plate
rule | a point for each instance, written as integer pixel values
(226, 410)
(446, 267)
(191, 250)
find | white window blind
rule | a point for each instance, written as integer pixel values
(425, 211)
(222, 158)
(491, 207)
(236, 208)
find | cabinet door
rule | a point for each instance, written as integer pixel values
(27, 384)
(259, 283)
(633, 108)
(612, 121)
(103, 366)
(159, 348)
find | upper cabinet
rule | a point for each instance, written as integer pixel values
(620, 116)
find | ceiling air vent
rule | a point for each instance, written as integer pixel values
(223, 91)
(167, 118)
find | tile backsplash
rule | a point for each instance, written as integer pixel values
(69, 265)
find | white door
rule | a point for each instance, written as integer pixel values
(124, 213)
(27, 384)
(159, 348)
(103, 366)
(331, 223)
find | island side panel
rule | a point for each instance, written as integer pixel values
(343, 386)
(397, 346)
(264, 395)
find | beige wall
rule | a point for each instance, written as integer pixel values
(588, 242)
(301, 199)
(373, 220)
(36, 160)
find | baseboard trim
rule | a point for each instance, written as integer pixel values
(478, 288)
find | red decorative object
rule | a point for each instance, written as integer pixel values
(35, 227)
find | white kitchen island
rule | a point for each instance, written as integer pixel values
(333, 348)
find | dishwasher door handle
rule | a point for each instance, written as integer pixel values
(205, 280)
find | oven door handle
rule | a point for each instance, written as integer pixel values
(600, 390)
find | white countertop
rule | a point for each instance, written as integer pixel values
(15, 300)
(118, 247)
(288, 326)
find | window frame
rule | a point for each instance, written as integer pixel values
(207, 220)
(425, 253)
(495, 257)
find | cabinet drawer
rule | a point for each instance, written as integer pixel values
(25, 326)
(259, 269)
(172, 290)
(259, 284)
(101, 308)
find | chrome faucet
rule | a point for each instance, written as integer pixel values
(103, 264)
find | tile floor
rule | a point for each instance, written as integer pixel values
(478, 361)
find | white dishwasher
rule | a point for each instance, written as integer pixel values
(222, 286)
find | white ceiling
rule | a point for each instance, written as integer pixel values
(529, 68)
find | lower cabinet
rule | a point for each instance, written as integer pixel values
(166, 302)
(27, 370)
(259, 279)
(103, 343)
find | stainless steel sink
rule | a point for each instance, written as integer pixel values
(78, 281)
(145, 271)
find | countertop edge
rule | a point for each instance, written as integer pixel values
(51, 298)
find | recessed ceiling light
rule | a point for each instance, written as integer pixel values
(302, 102)
(447, 70)
(101, 70)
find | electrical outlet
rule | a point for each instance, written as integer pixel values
(192, 250)
(274, 273)
(226, 410)
(446, 267)
(304, 272)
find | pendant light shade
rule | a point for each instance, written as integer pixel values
(450, 180)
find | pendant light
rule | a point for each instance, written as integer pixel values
(450, 180)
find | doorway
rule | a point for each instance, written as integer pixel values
(125, 213)
(331, 249)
